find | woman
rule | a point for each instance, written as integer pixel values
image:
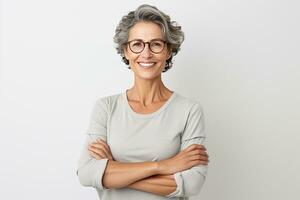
(146, 142)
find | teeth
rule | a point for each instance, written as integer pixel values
(146, 64)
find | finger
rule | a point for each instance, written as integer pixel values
(204, 158)
(202, 152)
(108, 151)
(198, 152)
(195, 146)
(199, 162)
(95, 155)
(198, 157)
(104, 143)
(97, 151)
(203, 162)
(100, 147)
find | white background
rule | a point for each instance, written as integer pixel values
(240, 59)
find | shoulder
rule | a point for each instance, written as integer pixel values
(189, 104)
(108, 99)
(107, 102)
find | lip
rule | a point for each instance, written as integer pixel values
(146, 67)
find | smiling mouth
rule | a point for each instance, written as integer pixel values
(146, 64)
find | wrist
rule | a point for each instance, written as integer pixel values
(155, 167)
(159, 167)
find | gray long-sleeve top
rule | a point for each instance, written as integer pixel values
(135, 137)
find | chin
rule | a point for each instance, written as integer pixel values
(147, 75)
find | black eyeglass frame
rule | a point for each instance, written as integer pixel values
(144, 43)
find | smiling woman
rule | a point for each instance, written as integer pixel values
(146, 142)
(169, 31)
(145, 51)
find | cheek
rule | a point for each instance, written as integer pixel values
(132, 58)
(163, 58)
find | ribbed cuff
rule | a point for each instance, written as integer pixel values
(100, 166)
(179, 192)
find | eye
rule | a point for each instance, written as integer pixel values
(137, 44)
(156, 44)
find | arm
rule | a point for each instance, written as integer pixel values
(90, 170)
(158, 184)
(189, 182)
(163, 183)
(107, 174)
(121, 174)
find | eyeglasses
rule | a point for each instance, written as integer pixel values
(137, 46)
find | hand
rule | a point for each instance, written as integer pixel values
(100, 150)
(191, 156)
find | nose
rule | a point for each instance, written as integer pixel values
(146, 53)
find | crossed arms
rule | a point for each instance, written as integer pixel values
(153, 177)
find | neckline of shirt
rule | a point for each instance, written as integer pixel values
(149, 115)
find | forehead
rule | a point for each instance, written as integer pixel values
(145, 31)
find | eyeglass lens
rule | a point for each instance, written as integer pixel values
(138, 46)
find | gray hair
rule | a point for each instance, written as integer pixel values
(171, 30)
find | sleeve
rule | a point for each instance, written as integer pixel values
(190, 182)
(90, 170)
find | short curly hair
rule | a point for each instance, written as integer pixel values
(173, 34)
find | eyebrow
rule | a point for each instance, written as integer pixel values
(149, 40)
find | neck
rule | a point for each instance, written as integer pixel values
(149, 91)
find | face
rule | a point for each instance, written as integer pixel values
(146, 64)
